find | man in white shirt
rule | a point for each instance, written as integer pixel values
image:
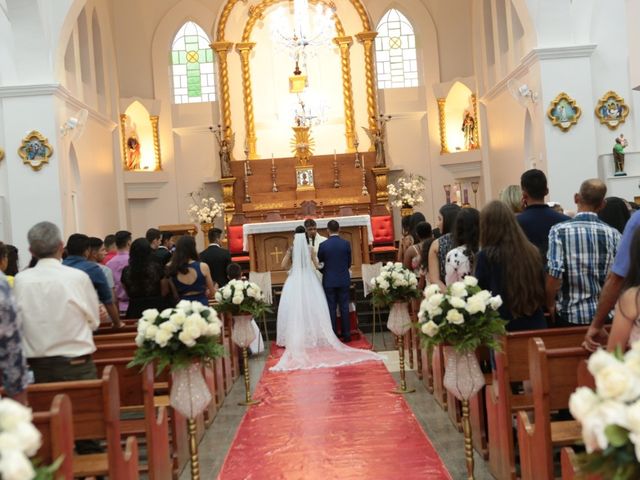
(58, 311)
(314, 239)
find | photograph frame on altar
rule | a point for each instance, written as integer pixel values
(564, 112)
(304, 178)
(611, 110)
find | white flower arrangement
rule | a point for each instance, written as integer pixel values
(241, 297)
(464, 316)
(204, 209)
(610, 415)
(177, 336)
(394, 283)
(406, 191)
(19, 440)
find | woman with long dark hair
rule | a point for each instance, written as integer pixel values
(191, 279)
(615, 213)
(413, 256)
(461, 259)
(443, 244)
(144, 280)
(407, 239)
(510, 266)
(625, 329)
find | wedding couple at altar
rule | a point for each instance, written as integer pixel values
(307, 318)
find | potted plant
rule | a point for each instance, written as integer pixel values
(406, 193)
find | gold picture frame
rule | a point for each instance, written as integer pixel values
(304, 178)
(35, 150)
(611, 110)
(1, 154)
(564, 112)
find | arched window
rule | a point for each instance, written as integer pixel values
(396, 52)
(192, 66)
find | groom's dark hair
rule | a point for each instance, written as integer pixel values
(333, 226)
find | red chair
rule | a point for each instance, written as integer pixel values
(236, 245)
(383, 247)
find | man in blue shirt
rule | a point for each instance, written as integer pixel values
(77, 257)
(596, 336)
(537, 218)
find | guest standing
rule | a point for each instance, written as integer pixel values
(191, 279)
(442, 245)
(216, 257)
(510, 266)
(153, 236)
(15, 374)
(407, 239)
(117, 264)
(97, 253)
(511, 196)
(164, 251)
(615, 213)
(461, 259)
(110, 247)
(581, 253)
(144, 280)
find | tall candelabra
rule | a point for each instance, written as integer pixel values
(246, 160)
(447, 192)
(356, 143)
(274, 186)
(336, 172)
(247, 197)
(365, 192)
(474, 189)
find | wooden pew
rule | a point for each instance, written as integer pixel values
(437, 369)
(553, 379)
(96, 415)
(56, 428)
(512, 365)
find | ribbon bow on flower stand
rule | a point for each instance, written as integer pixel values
(183, 338)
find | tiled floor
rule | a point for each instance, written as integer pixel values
(444, 436)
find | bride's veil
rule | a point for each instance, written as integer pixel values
(303, 311)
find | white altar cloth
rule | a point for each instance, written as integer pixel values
(290, 226)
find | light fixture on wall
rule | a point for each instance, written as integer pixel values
(522, 93)
(75, 125)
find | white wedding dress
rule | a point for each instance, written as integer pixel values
(304, 324)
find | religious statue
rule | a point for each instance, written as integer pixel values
(468, 128)
(133, 153)
(618, 155)
(225, 147)
(377, 137)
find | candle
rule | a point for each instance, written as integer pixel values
(458, 195)
(245, 169)
(466, 196)
(273, 163)
(335, 156)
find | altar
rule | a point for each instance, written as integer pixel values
(268, 242)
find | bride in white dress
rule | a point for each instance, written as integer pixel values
(304, 324)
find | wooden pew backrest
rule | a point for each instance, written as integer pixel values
(56, 428)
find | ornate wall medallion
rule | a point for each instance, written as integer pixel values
(611, 110)
(35, 150)
(564, 112)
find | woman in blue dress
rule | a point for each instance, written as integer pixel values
(190, 278)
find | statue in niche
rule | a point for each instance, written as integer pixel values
(225, 147)
(618, 155)
(377, 138)
(468, 128)
(133, 153)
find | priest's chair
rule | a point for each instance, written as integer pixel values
(383, 248)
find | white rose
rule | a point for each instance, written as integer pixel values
(470, 281)
(617, 382)
(237, 299)
(431, 290)
(607, 413)
(373, 282)
(142, 326)
(495, 302)
(226, 293)
(457, 302)
(458, 289)
(632, 361)
(430, 328)
(213, 330)
(218, 296)
(168, 326)
(185, 338)
(455, 317)
(435, 311)
(582, 401)
(251, 292)
(413, 280)
(384, 285)
(166, 313)
(14, 465)
(599, 360)
(633, 417)
(162, 337)
(184, 305)
(150, 333)
(27, 438)
(150, 314)
(197, 307)
(178, 318)
(483, 295)
(475, 304)
(635, 439)
(436, 300)
(140, 339)
(398, 266)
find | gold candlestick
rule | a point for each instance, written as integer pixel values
(247, 197)
(246, 160)
(274, 186)
(468, 441)
(447, 192)
(247, 381)
(403, 382)
(356, 143)
(336, 178)
(193, 449)
(474, 188)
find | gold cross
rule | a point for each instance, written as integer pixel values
(277, 253)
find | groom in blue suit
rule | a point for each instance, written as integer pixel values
(335, 255)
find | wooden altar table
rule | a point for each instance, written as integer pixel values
(268, 242)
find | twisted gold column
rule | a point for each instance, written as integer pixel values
(222, 49)
(193, 448)
(476, 128)
(443, 126)
(244, 49)
(156, 141)
(367, 38)
(347, 90)
(123, 139)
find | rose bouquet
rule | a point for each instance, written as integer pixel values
(240, 297)
(610, 415)
(395, 283)
(465, 316)
(406, 191)
(203, 209)
(177, 337)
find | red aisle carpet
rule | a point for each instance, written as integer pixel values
(331, 423)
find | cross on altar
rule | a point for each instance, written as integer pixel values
(277, 253)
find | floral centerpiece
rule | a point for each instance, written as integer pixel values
(610, 415)
(19, 440)
(204, 209)
(406, 192)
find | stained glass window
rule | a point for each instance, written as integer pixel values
(396, 59)
(192, 66)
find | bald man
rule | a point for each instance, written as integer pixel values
(581, 253)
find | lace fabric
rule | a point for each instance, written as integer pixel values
(304, 324)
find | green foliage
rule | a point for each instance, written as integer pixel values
(613, 463)
(176, 355)
(48, 472)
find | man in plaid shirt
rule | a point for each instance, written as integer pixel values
(581, 253)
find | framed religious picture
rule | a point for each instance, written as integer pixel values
(564, 112)
(35, 150)
(611, 110)
(304, 178)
